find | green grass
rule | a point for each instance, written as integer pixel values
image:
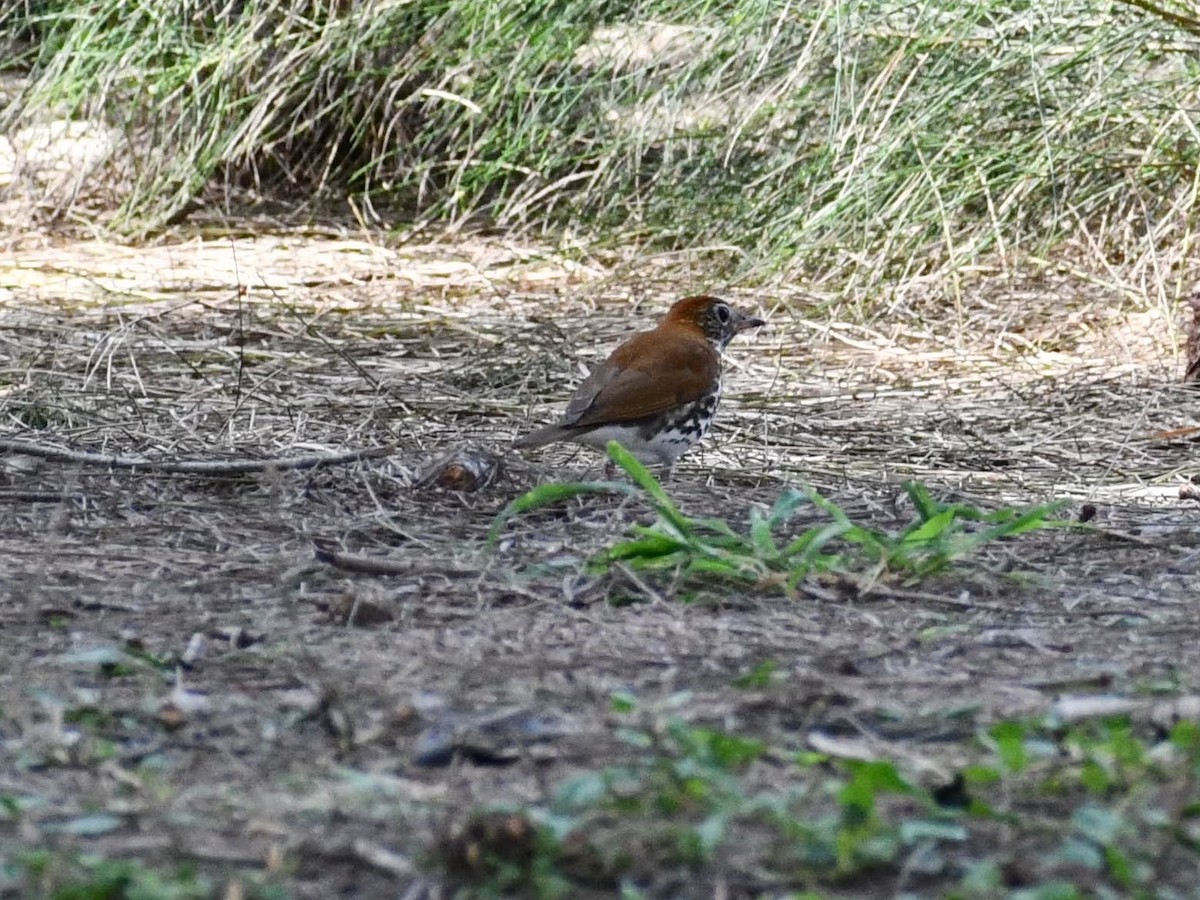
(769, 553)
(857, 141)
(1096, 809)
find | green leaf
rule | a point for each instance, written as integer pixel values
(1030, 520)
(722, 568)
(716, 526)
(1094, 777)
(813, 541)
(879, 776)
(634, 738)
(1186, 737)
(1077, 854)
(548, 494)
(761, 536)
(87, 826)
(937, 632)
(931, 528)
(787, 504)
(876, 544)
(830, 508)
(1009, 738)
(921, 500)
(1097, 823)
(710, 833)
(642, 478)
(984, 878)
(758, 677)
(623, 701)
(723, 749)
(1120, 865)
(649, 545)
(582, 792)
(913, 831)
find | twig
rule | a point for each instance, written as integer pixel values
(364, 565)
(191, 466)
(651, 594)
(883, 592)
(370, 565)
(1187, 23)
(19, 496)
(889, 593)
(381, 858)
(1123, 537)
(359, 850)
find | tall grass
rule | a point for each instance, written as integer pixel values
(874, 136)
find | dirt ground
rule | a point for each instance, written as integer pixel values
(179, 680)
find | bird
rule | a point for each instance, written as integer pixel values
(657, 393)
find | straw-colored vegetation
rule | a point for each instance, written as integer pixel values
(865, 139)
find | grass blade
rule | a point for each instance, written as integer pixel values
(549, 494)
(761, 536)
(785, 507)
(932, 528)
(642, 478)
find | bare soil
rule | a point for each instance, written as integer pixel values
(341, 757)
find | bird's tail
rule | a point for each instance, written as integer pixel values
(542, 436)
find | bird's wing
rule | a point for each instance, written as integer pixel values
(624, 389)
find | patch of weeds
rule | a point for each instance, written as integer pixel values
(1094, 805)
(1046, 811)
(61, 876)
(56, 876)
(758, 676)
(692, 796)
(498, 852)
(113, 661)
(939, 536)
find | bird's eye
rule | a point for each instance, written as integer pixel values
(723, 313)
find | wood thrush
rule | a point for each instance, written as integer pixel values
(658, 392)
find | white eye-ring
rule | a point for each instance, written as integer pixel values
(723, 313)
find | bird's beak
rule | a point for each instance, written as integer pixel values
(743, 321)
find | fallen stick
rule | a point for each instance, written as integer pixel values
(191, 466)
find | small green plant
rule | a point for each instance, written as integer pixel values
(1126, 808)
(692, 791)
(938, 537)
(84, 877)
(759, 676)
(53, 875)
(1093, 809)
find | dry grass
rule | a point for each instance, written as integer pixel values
(871, 144)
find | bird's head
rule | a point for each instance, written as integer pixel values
(712, 317)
